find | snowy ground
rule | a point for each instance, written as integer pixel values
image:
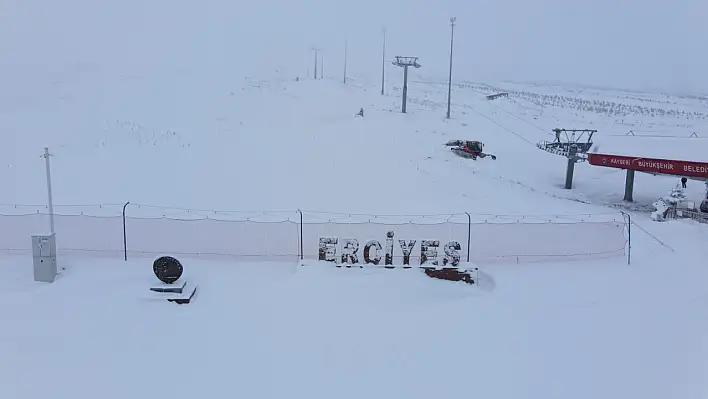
(581, 330)
(311, 144)
(557, 330)
(179, 138)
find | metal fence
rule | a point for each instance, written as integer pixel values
(674, 213)
(139, 230)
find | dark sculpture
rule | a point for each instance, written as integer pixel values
(450, 274)
(167, 269)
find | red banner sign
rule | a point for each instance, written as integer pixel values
(651, 165)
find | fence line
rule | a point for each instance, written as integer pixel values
(131, 230)
(157, 211)
(676, 213)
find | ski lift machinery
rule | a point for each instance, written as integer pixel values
(569, 144)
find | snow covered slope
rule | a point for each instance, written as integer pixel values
(195, 113)
(581, 329)
(200, 112)
(286, 144)
(274, 145)
(584, 330)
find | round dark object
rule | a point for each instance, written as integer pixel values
(167, 269)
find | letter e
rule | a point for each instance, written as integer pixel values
(328, 248)
(429, 252)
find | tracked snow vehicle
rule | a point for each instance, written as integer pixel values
(470, 149)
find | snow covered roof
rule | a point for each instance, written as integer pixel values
(692, 149)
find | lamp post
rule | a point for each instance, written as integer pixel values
(383, 62)
(449, 79)
(345, 60)
(316, 51)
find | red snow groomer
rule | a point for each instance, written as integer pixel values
(470, 149)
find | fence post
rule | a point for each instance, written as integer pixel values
(629, 239)
(302, 251)
(469, 234)
(629, 236)
(125, 237)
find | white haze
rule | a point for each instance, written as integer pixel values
(647, 44)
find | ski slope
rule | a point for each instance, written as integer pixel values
(261, 140)
(161, 119)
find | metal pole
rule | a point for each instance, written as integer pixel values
(449, 79)
(405, 88)
(469, 234)
(629, 186)
(315, 64)
(49, 190)
(629, 238)
(569, 173)
(628, 220)
(125, 236)
(302, 238)
(345, 61)
(383, 62)
(321, 66)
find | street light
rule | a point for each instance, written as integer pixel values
(383, 62)
(345, 60)
(316, 50)
(449, 79)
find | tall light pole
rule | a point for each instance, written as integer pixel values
(316, 50)
(345, 60)
(50, 201)
(383, 62)
(449, 79)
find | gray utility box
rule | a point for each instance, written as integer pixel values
(44, 255)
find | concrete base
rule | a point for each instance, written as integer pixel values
(176, 287)
(181, 293)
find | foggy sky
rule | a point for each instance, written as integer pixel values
(640, 44)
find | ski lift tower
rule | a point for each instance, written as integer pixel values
(569, 143)
(405, 62)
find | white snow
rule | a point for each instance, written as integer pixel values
(183, 130)
(583, 330)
